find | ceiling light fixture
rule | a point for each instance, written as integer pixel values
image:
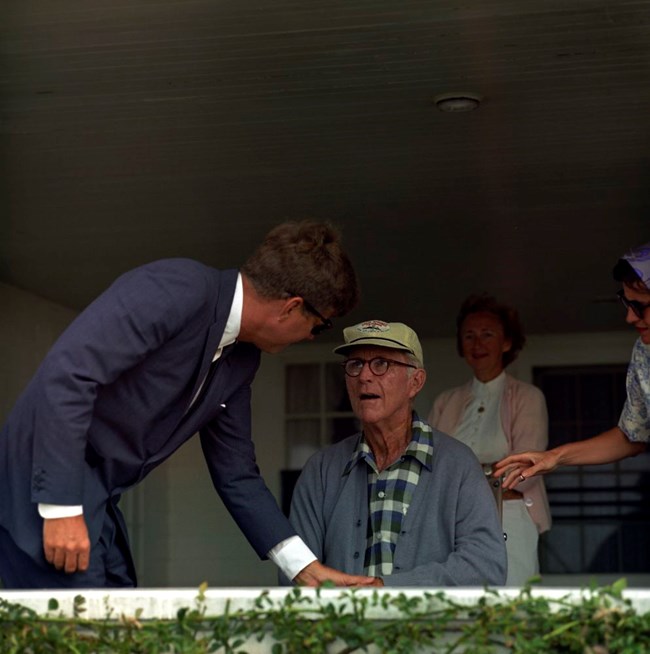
(456, 102)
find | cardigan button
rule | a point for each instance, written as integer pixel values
(356, 555)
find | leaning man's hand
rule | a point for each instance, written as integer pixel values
(66, 544)
(316, 574)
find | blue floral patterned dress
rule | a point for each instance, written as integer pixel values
(635, 418)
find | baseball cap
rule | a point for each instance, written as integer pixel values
(394, 335)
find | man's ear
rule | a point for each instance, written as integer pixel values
(288, 306)
(417, 380)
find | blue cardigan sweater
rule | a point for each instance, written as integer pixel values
(451, 535)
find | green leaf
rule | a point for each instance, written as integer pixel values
(618, 587)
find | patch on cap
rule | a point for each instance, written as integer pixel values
(373, 326)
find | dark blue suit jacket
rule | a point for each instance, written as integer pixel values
(111, 401)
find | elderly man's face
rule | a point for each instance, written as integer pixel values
(377, 398)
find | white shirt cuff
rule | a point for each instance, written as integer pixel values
(50, 511)
(291, 556)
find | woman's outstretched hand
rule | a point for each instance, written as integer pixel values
(519, 467)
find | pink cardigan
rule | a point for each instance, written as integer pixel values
(525, 424)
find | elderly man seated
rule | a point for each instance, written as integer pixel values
(400, 501)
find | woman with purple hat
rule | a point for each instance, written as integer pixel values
(632, 434)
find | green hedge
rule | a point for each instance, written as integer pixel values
(602, 622)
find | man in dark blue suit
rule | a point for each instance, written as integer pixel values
(168, 350)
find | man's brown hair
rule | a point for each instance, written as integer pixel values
(305, 258)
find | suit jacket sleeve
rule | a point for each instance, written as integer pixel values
(142, 310)
(230, 454)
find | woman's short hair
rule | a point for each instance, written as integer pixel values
(304, 258)
(625, 274)
(507, 316)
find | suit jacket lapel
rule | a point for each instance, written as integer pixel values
(227, 286)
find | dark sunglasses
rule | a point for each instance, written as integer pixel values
(638, 308)
(326, 323)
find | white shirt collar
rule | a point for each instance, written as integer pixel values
(492, 388)
(233, 324)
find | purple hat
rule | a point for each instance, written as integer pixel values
(639, 260)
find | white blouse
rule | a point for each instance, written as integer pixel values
(480, 426)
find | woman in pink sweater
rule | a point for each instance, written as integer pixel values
(497, 415)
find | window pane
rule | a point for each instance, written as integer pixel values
(340, 428)
(303, 439)
(336, 395)
(560, 394)
(601, 514)
(603, 547)
(640, 462)
(555, 554)
(302, 388)
(596, 398)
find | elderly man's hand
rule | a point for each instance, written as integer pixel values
(316, 574)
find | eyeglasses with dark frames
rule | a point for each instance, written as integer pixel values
(638, 308)
(326, 323)
(378, 366)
